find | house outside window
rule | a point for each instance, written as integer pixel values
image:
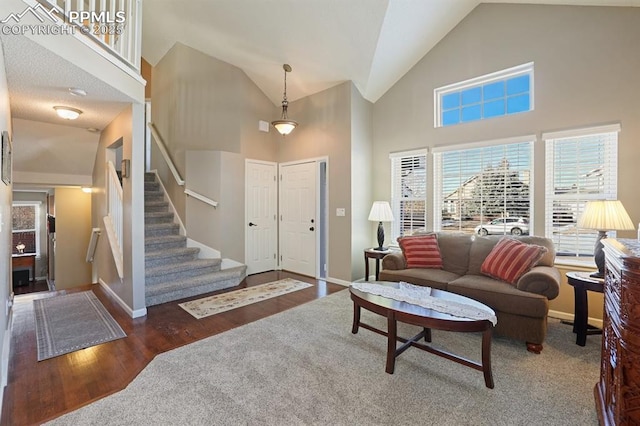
(484, 188)
(581, 165)
(497, 94)
(408, 193)
(26, 228)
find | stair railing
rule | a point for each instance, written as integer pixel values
(113, 25)
(155, 135)
(165, 154)
(113, 221)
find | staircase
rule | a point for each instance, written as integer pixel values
(172, 270)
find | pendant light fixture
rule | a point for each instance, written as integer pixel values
(285, 125)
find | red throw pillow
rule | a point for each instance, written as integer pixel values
(421, 251)
(510, 259)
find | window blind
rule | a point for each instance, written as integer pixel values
(578, 169)
(477, 184)
(408, 193)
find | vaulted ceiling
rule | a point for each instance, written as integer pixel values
(370, 42)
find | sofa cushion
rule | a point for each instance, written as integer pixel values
(434, 278)
(510, 259)
(500, 296)
(454, 249)
(421, 251)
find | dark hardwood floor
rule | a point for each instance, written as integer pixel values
(32, 287)
(40, 391)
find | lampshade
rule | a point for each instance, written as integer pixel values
(285, 125)
(67, 113)
(381, 212)
(605, 215)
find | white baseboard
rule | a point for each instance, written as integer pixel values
(338, 281)
(134, 314)
(570, 317)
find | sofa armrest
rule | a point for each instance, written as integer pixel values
(544, 280)
(394, 261)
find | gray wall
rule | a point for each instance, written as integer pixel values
(362, 231)
(325, 130)
(126, 127)
(6, 289)
(202, 103)
(219, 176)
(586, 73)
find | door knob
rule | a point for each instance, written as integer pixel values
(252, 224)
(311, 229)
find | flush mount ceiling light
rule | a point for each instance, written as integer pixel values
(67, 113)
(284, 125)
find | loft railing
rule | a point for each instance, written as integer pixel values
(113, 25)
(113, 221)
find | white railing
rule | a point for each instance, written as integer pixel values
(165, 154)
(113, 220)
(200, 197)
(114, 25)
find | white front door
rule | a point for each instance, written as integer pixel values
(261, 214)
(298, 222)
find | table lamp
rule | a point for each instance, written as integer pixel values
(603, 216)
(380, 212)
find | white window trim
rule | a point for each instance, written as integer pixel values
(548, 138)
(437, 180)
(523, 69)
(392, 157)
(38, 206)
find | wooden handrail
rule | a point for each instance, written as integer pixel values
(165, 154)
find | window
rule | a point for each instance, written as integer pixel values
(25, 228)
(581, 165)
(408, 193)
(501, 93)
(484, 188)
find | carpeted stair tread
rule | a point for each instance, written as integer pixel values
(164, 242)
(161, 229)
(172, 270)
(156, 206)
(180, 289)
(158, 217)
(171, 253)
(177, 271)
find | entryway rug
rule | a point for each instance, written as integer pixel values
(225, 302)
(72, 322)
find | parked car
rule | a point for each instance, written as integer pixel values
(505, 225)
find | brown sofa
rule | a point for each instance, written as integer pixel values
(521, 309)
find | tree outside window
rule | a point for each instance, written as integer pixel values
(25, 228)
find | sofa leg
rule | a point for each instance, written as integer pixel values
(536, 348)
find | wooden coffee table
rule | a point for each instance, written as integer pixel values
(426, 318)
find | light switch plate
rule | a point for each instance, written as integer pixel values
(340, 212)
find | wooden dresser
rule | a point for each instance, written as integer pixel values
(617, 393)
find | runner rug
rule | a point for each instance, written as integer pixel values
(227, 301)
(72, 322)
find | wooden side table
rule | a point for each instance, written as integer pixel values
(25, 260)
(581, 283)
(373, 254)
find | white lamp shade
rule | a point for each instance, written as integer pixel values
(381, 212)
(67, 113)
(605, 215)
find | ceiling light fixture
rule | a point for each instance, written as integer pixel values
(67, 113)
(284, 125)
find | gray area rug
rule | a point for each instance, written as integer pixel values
(304, 366)
(71, 322)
